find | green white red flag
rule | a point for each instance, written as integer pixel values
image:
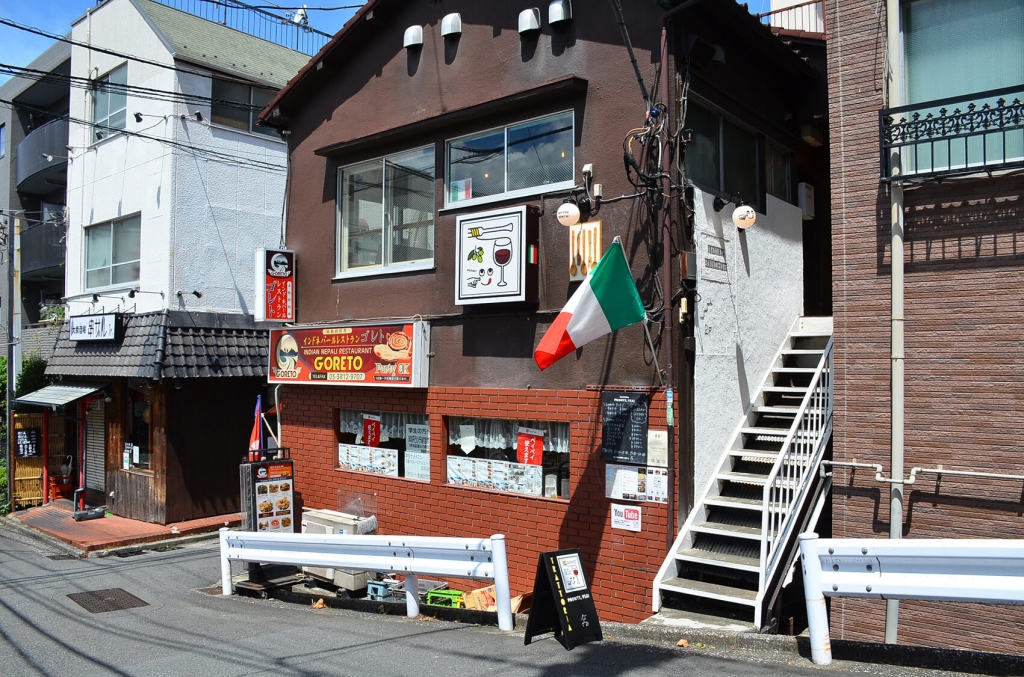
(606, 301)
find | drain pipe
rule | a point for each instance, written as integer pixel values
(896, 98)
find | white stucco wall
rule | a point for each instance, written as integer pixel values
(202, 219)
(742, 316)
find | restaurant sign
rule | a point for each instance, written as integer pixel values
(359, 355)
(275, 285)
(108, 327)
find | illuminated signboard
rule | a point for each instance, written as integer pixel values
(275, 285)
(96, 327)
(359, 355)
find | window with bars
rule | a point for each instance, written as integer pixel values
(386, 214)
(512, 161)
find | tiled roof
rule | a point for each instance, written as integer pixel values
(172, 344)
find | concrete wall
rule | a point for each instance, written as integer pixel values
(202, 218)
(742, 316)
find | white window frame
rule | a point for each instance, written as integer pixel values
(102, 125)
(387, 267)
(508, 194)
(85, 254)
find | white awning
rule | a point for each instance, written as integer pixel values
(59, 395)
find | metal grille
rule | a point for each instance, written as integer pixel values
(95, 445)
(61, 558)
(111, 599)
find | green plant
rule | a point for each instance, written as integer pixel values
(32, 378)
(5, 507)
(53, 315)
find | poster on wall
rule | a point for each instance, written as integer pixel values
(624, 427)
(633, 483)
(417, 437)
(483, 473)
(496, 257)
(372, 460)
(359, 355)
(626, 517)
(417, 465)
(530, 446)
(657, 448)
(275, 286)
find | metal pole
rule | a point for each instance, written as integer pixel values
(895, 91)
(666, 315)
(225, 564)
(11, 375)
(502, 595)
(817, 614)
(46, 455)
(412, 595)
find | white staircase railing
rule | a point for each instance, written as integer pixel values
(790, 479)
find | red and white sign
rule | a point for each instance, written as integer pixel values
(530, 446)
(371, 430)
(275, 285)
(625, 517)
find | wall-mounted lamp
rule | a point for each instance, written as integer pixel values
(199, 116)
(197, 294)
(568, 213)
(99, 134)
(138, 118)
(95, 298)
(743, 216)
(529, 20)
(559, 10)
(133, 292)
(451, 24)
(413, 37)
(50, 158)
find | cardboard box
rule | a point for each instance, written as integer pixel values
(521, 603)
(482, 599)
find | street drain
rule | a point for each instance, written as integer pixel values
(112, 599)
(166, 548)
(61, 558)
(128, 553)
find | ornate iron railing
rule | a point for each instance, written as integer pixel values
(260, 23)
(805, 16)
(981, 132)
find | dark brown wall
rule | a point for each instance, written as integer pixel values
(136, 495)
(372, 85)
(964, 356)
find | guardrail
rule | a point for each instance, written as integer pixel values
(477, 558)
(945, 570)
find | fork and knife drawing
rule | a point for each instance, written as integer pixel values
(584, 249)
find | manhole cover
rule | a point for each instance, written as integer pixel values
(61, 558)
(112, 599)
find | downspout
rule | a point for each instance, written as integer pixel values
(667, 296)
(895, 98)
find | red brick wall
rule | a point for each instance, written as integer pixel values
(964, 355)
(621, 564)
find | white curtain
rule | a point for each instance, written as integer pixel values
(496, 433)
(392, 423)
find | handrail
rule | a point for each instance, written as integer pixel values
(778, 516)
(806, 15)
(914, 472)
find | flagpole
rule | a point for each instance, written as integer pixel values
(647, 332)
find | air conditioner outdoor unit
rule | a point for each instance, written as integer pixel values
(333, 522)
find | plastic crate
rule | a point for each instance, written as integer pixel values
(383, 591)
(454, 599)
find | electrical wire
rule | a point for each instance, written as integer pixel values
(308, 9)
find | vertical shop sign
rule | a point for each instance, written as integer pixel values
(530, 446)
(371, 430)
(275, 285)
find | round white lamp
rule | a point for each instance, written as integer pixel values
(568, 214)
(744, 216)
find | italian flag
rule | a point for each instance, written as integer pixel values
(606, 301)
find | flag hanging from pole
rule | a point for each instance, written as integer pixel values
(256, 437)
(606, 301)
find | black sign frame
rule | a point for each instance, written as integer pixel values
(624, 422)
(26, 442)
(562, 602)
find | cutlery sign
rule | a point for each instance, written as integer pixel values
(585, 249)
(493, 255)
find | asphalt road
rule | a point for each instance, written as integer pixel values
(185, 631)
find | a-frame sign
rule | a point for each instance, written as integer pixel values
(562, 602)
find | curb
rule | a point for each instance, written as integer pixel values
(153, 545)
(65, 548)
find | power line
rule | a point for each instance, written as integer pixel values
(222, 3)
(122, 55)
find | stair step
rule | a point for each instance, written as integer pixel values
(733, 502)
(794, 370)
(784, 389)
(772, 432)
(802, 351)
(766, 455)
(724, 593)
(742, 477)
(784, 410)
(809, 334)
(730, 530)
(720, 559)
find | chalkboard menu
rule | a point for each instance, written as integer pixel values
(27, 440)
(562, 602)
(624, 427)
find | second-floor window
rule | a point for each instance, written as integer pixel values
(513, 161)
(110, 103)
(386, 214)
(238, 105)
(112, 252)
(722, 155)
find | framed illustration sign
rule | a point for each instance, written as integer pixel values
(496, 256)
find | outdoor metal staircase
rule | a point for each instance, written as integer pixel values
(735, 548)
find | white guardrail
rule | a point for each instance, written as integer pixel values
(944, 570)
(477, 558)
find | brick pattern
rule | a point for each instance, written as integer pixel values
(964, 356)
(621, 564)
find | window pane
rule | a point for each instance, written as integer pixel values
(127, 235)
(101, 103)
(362, 215)
(235, 92)
(739, 153)
(777, 164)
(117, 120)
(118, 99)
(127, 272)
(410, 183)
(261, 97)
(97, 278)
(476, 166)
(540, 152)
(702, 161)
(97, 247)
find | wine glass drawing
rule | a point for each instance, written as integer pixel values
(502, 256)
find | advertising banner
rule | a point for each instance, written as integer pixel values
(275, 285)
(364, 355)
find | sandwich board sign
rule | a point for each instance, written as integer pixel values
(562, 601)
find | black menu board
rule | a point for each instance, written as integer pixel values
(27, 441)
(562, 602)
(624, 427)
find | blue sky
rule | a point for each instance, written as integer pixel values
(18, 48)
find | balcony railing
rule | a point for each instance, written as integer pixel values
(43, 159)
(42, 250)
(255, 21)
(981, 132)
(804, 16)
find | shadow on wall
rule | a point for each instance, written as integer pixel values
(978, 223)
